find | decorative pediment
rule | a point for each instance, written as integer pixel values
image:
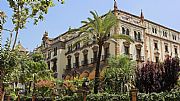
(138, 46)
(95, 48)
(76, 54)
(85, 51)
(156, 53)
(126, 43)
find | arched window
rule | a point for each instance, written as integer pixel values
(85, 53)
(76, 60)
(155, 30)
(139, 36)
(127, 31)
(123, 30)
(135, 35)
(69, 62)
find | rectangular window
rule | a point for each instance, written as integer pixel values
(55, 51)
(126, 50)
(174, 37)
(106, 52)
(154, 30)
(164, 33)
(138, 52)
(157, 59)
(77, 45)
(85, 59)
(175, 50)
(156, 46)
(54, 66)
(77, 61)
(166, 48)
(69, 63)
(123, 30)
(95, 56)
(49, 54)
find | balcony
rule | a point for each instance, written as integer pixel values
(139, 58)
(138, 40)
(83, 63)
(76, 65)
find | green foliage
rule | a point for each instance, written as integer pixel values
(18, 67)
(173, 95)
(120, 73)
(8, 60)
(2, 19)
(108, 97)
(123, 65)
(23, 11)
(71, 98)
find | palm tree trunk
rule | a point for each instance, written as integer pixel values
(97, 73)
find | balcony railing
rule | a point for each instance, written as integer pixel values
(83, 63)
(76, 65)
(138, 40)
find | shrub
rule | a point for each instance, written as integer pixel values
(157, 77)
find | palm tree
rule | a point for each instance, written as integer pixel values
(99, 27)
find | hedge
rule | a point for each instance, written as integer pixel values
(173, 95)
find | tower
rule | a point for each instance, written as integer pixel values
(116, 28)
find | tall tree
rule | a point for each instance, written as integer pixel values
(120, 73)
(100, 27)
(23, 10)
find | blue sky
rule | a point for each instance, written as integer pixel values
(61, 17)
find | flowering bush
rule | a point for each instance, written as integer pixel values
(45, 88)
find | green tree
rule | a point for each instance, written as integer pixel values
(23, 10)
(100, 27)
(18, 67)
(8, 62)
(121, 72)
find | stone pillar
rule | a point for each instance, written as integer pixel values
(133, 94)
(33, 98)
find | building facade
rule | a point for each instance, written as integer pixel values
(68, 58)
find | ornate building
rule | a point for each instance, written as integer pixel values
(152, 42)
